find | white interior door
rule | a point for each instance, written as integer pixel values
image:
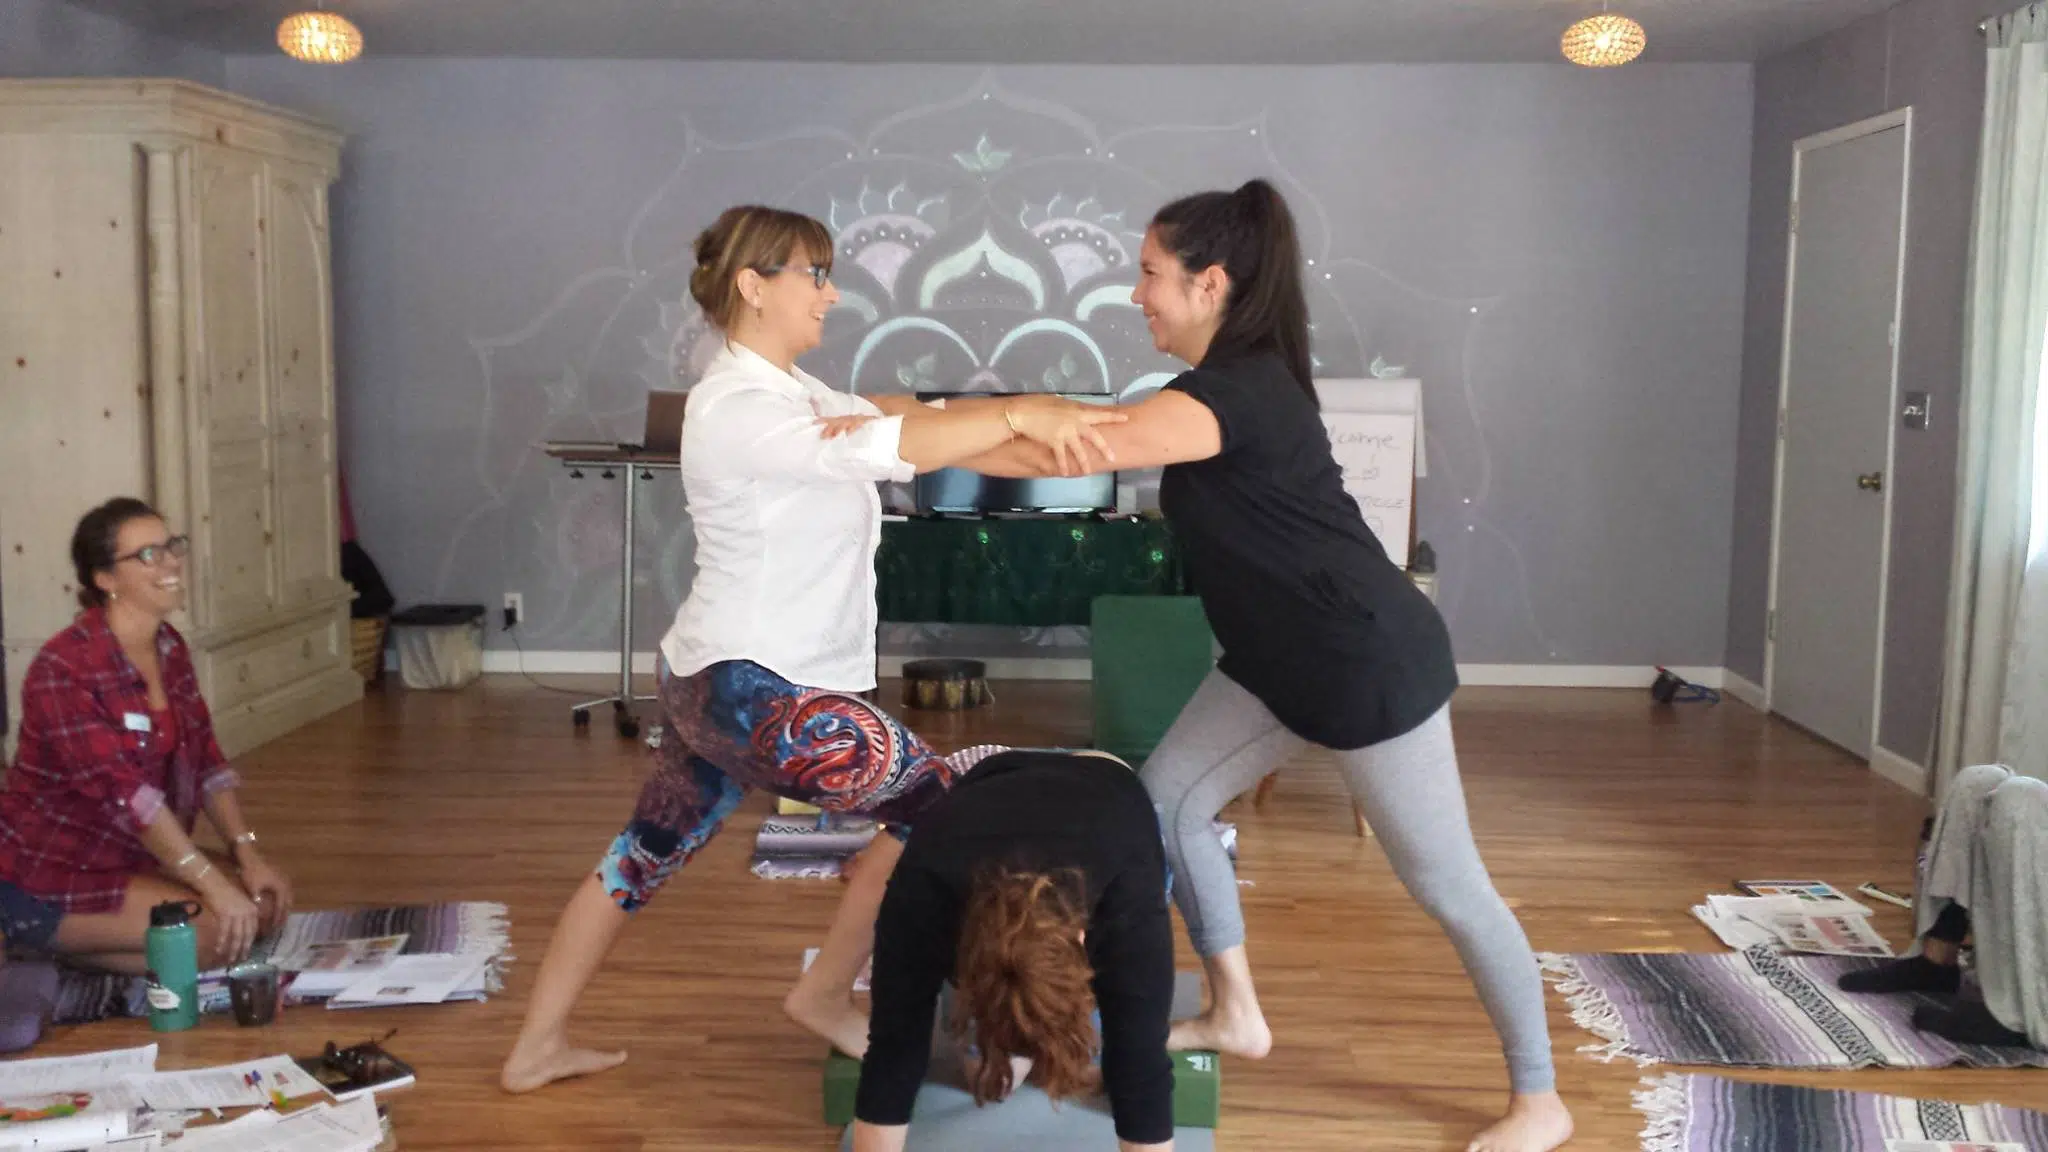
(1835, 430)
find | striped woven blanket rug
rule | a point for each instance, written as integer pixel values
(817, 847)
(1753, 1009)
(1715, 1114)
(431, 929)
(83, 997)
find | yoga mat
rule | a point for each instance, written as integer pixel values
(430, 929)
(804, 848)
(813, 836)
(1693, 1113)
(84, 997)
(945, 1118)
(1753, 1009)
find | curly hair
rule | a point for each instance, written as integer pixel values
(1024, 986)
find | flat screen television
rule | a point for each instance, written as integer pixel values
(959, 492)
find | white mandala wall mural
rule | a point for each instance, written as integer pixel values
(985, 243)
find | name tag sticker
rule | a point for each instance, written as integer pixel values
(135, 721)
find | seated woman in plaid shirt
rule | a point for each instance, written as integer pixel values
(116, 759)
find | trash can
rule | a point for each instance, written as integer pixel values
(440, 646)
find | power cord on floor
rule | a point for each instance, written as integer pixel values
(512, 630)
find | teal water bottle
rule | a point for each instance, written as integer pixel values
(171, 948)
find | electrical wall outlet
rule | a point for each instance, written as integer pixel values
(1914, 411)
(515, 609)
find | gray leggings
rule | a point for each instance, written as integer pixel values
(1225, 741)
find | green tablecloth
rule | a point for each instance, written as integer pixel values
(1027, 573)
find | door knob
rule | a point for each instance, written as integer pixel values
(1871, 481)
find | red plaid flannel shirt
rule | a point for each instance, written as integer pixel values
(85, 783)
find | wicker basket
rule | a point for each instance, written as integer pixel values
(367, 637)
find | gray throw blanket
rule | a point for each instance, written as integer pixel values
(1989, 853)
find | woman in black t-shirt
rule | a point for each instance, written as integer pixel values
(1324, 640)
(1037, 886)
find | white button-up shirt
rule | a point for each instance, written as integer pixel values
(787, 524)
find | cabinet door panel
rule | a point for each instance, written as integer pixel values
(308, 531)
(237, 517)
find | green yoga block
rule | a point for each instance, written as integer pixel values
(1197, 1089)
(1197, 1076)
(842, 1085)
(1147, 655)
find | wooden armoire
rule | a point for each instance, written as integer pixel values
(166, 331)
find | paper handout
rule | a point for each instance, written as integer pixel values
(91, 1072)
(423, 979)
(1816, 925)
(248, 1085)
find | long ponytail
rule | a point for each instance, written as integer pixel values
(1251, 234)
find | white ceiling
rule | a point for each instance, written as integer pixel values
(1010, 31)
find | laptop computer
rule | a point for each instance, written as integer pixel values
(664, 432)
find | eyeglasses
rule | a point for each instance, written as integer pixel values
(150, 555)
(819, 272)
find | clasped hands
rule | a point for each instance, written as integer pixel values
(1067, 427)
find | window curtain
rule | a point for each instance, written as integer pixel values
(1995, 678)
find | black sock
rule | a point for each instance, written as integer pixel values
(1908, 974)
(1953, 925)
(1967, 1022)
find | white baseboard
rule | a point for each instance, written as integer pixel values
(1744, 690)
(564, 663)
(1899, 770)
(1012, 667)
(1577, 675)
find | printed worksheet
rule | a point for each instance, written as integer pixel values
(249, 1085)
(350, 1127)
(1818, 895)
(140, 1142)
(423, 979)
(91, 1072)
(1831, 935)
(365, 955)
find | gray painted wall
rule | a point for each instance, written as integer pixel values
(1925, 54)
(1556, 253)
(48, 38)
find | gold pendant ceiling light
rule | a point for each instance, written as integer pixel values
(1604, 41)
(320, 37)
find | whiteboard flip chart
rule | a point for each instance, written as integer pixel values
(1375, 429)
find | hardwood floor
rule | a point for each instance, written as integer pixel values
(1602, 819)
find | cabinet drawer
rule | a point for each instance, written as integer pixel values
(260, 665)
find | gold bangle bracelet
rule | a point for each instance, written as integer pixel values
(1010, 420)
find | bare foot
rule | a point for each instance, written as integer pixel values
(1235, 1033)
(1537, 1122)
(538, 1063)
(840, 1022)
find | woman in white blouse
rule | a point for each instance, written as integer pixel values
(762, 670)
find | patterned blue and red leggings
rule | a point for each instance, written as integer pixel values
(736, 726)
